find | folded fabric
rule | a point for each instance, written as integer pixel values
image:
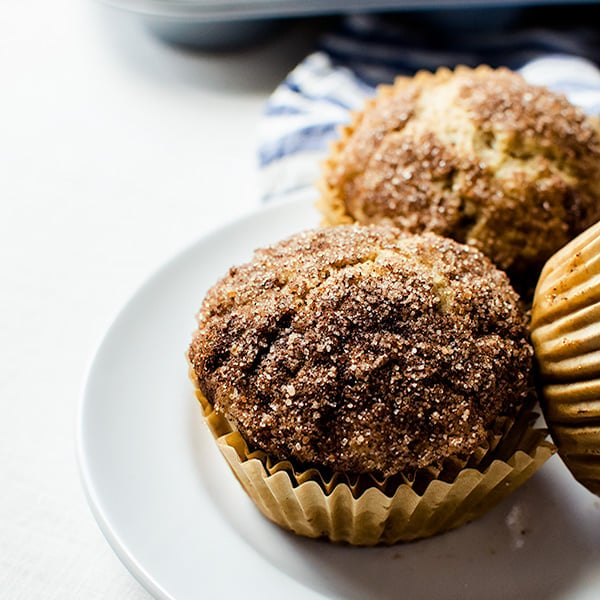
(305, 112)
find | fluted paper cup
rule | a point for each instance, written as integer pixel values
(364, 511)
(566, 336)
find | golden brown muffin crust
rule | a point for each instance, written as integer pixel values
(478, 155)
(359, 350)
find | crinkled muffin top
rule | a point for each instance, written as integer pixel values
(360, 350)
(478, 155)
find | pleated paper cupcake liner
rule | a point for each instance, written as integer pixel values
(566, 336)
(363, 510)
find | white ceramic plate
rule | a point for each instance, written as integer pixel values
(175, 515)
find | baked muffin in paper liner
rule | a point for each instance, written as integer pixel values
(566, 336)
(475, 154)
(363, 510)
(349, 350)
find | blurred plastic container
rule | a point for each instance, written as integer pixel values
(223, 23)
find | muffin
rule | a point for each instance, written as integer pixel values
(566, 334)
(363, 365)
(478, 155)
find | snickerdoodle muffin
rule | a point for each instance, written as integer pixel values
(478, 155)
(353, 350)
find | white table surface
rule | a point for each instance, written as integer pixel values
(116, 150)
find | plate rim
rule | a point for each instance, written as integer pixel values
(84, 468)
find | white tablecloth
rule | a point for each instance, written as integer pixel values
(116, 150)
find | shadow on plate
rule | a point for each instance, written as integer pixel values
(540, 543)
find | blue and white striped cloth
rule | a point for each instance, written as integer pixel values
(304, 113)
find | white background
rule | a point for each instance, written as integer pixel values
(116, 150)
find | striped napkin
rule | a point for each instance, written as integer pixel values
(304, 113)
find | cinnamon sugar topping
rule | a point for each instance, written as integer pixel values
(356, 349)
(478, 155)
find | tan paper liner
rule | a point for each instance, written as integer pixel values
(566, 336)
(364, 511)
